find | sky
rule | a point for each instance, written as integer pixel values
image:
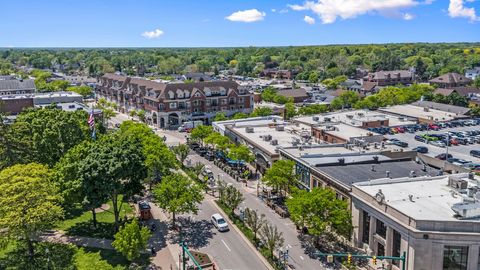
(232, 23)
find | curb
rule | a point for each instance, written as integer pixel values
(264, 261)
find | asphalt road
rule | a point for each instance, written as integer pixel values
(459, 151)
(297, 259)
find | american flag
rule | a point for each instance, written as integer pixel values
(91, 120)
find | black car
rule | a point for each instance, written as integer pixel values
(201, 151)
(475, 153)
(400, 143)
(421, 149)
(210, 156)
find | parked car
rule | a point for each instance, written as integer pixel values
(421, 149)
(438, 144)
(443, 156)
(433, 127)
(219, 222)
(400, 143)
(420, 138)
(475, 153)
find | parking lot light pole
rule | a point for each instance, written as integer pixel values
(446, 152)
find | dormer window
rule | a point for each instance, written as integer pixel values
(171, 95)
(186, 94)
(179, 93)
(208, 92)
(223, 91)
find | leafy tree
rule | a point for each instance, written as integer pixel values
(220, 117)
(132, 113)
(254, 221)
(178, 194)
(271, 237)
(114, 167)
(313, 109)
(476, 82)
(141, 115)
(345, 100)
(181, 151)
(45, 135)
(262, 111)
(280, 175)
(231, 197)
(29, 203)
(240, 115)
(290, 110)
(219, 141)
(199, 133)
(83, 90)
(269, 94)
(320, 211)
(131, 240)
(240, 152)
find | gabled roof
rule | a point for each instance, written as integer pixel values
(14, 85)
(451, 78)
(381, 75)
(443, 91)
(293, 93)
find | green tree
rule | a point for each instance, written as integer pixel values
(29, 203)
(320, 211)
(199, 133)
(231, 197)
(131, 240)
(254, 221)
(178, 194)
(269, 94)
(280, 175)
(239, 115)
(346, 99)
(271, 237)
(114, 167)
(181, 151)
(290, 110)
(476, 82)
(141, 116)
(83, 90)
(132, 113)
(217, 140)
(220, 117)
(240, 152)
(262, 111)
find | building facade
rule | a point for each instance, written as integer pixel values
(386, 78)
(168, 105)
(434, 220)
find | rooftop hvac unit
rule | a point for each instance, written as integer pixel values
(457, 183)
(280, 128)
(426, 109)
(267, 138)
(249, 130)
(350, 116)
(316, 118)
(327, 119)
(274, 142)
(360, 114)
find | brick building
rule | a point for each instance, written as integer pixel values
(167, 105)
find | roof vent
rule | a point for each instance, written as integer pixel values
(410, 197)
(387, 174)
(274, 142)
(372, 168)
(280, 128)
(249, 130)
(413, 174)
(316, 118)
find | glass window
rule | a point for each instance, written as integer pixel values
(397, 239)
(173, 105)
(380, 250)
(381, 229)
(455, 258)
(366, 227)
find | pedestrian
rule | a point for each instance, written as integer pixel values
(153, 250)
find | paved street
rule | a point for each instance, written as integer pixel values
(459, 151)
(298, 259)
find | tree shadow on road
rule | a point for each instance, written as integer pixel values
(195, 233)
(158, 239)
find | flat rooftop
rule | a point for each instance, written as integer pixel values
(42, 95)
(326, 149)
(419, 112)
(291, 136)
(355, 118)
(347, 132)
(432, 198)
(219, 126)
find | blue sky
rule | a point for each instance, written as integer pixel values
(215, 23)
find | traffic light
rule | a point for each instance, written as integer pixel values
(374, 260)
(349, 258)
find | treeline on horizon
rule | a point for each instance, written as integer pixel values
(314, 63)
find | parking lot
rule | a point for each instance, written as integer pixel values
(460, 151)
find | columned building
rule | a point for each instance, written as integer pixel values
(168, 105)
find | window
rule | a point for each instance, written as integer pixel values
(366, 227)
(381, 229)
(223, 101)
(173, 105)
(455, 258)
(397, 239)
(240, 100)
(171, 95)
(380, 250)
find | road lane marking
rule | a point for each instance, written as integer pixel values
(226, 246)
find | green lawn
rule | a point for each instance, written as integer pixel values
(79, 222)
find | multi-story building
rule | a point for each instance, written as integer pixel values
(12, 86)
(386, 78)
(450, 80)
(167, 105)
(434, 220)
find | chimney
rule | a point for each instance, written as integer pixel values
(387, 174)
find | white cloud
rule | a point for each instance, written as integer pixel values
(309, 20)
(329, 10)
(456, 9)
(152, 34)
(248, 16)
(284, 10)
(408, 16)
(274, 10)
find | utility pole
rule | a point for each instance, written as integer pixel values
(446, 152)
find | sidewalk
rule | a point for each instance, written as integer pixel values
(59, 238)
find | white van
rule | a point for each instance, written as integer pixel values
(220, 223)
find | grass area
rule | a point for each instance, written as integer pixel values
(79, 222)
(61, 256)
(250, 235)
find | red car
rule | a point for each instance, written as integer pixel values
(400, 129)
(433, 127)
(453, 141)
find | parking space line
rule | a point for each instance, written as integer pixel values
(226, 246)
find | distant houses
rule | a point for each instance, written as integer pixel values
(450, 80)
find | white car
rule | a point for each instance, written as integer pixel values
(220, 223)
